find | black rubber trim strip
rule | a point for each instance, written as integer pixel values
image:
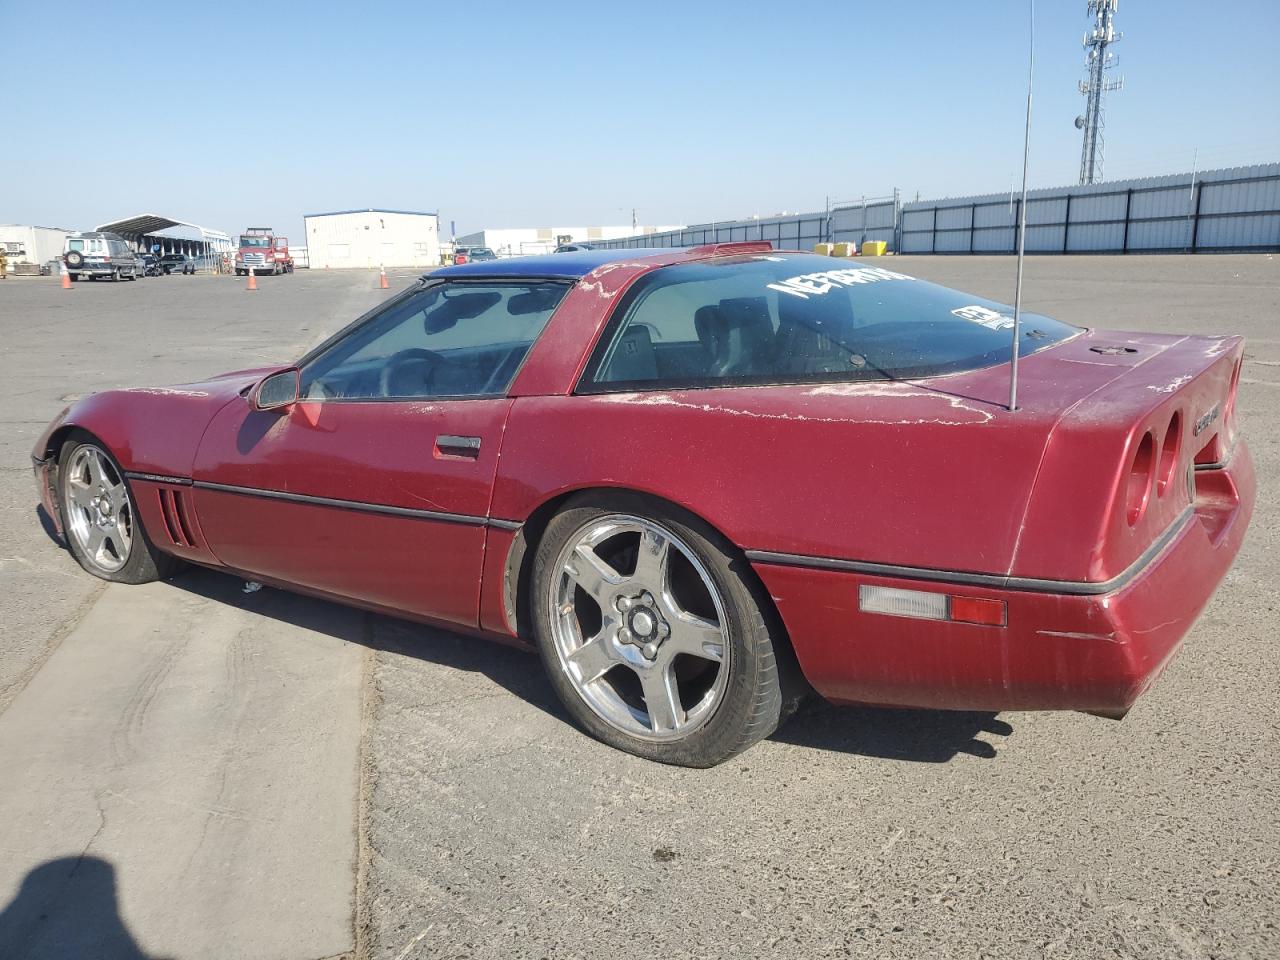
(999, 581)
(1221, 464)
(380, 508)
(158, 478)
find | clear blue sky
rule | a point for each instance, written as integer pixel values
(518, 114)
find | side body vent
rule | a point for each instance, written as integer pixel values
(177, 517)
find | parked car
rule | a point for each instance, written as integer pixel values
(92, 254)
(701, 482)
(177, 263)
(573, 247)
(149, 264)
(463, 255)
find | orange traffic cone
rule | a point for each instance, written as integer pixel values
(66, 279)
(253, 280)
(382, 282)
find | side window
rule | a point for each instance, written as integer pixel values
(704, 328)
(447, 340)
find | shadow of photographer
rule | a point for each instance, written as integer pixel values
(67, 907)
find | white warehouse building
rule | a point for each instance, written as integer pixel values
(522, 241)
(372, 238)
(31, 244)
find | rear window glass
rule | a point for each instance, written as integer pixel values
(802, 318)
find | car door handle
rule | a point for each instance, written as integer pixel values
(448, 445)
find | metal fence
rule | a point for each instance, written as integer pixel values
(1211, 210)
(870, 218)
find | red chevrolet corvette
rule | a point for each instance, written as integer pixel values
(701, 482)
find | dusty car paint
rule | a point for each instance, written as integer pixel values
(929, 484)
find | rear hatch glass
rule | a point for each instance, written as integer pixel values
(778, 318)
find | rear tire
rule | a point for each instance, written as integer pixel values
(99, 519)
(675, 662)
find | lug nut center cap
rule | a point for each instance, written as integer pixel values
(642, 623)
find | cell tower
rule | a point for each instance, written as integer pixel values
(1097, 61)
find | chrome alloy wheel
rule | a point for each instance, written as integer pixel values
(99, 514)
(639, 627)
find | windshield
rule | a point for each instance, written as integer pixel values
(255, 241)
(769, 318)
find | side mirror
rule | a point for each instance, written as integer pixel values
(278, 390)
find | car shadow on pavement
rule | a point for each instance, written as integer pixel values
(67, 907)
(891, 733)
(920, 736)
(517, 671)
(47, 524)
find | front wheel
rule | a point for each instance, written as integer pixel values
(653, 632)
(102, 527)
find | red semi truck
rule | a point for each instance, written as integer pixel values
(261, 251)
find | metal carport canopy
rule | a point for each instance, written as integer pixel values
(142, 225)
(151, 224)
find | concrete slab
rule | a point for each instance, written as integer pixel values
(180, 776)
(184, 769)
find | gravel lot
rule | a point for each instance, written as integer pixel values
(488, 827)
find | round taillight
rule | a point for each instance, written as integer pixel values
(1140, 479)
(1170, 447)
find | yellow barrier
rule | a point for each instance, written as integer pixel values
(874, 248)
(822, 249)
(845, 250)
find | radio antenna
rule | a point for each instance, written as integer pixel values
(1022, 223)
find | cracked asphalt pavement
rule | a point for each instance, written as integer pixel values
(192, 771)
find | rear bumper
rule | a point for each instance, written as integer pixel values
(1060, 650)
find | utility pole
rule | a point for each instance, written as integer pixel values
(1097, 61)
